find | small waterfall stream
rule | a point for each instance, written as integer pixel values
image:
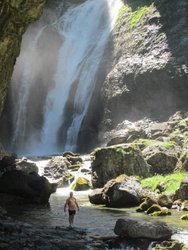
(84, 31)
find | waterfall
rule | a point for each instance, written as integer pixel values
(85, 30)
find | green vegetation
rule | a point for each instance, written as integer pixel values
(161, 213)
(184, 122)
(135, 11)
(136, 16)
(124, 9)
(184, 217)
(81, 184)
(120, 151)
(169, 144)
(154, 208)
(147, 142)
(172, 181)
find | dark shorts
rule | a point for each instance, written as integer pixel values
(72, 212)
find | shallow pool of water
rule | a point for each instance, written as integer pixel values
(99, 220)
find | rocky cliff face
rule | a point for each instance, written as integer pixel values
(149, 77)
(15, 16)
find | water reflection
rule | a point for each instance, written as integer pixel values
(98, 220)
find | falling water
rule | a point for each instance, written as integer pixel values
(85, 30)
(26, 79)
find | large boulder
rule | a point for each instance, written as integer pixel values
(81, 184)
(27, 166)
(122, 192)
(112, 161)
(57, 168)
(182, 191)
(96, 196)
(165, 200)
(32, 187)
(160, 160)
(133, 228)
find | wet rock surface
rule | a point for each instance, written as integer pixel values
(123, 191)
(31, 187)
(15, 235)
(133, 228)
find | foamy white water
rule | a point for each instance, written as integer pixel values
(85, 31)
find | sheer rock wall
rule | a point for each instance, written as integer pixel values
(15, 16)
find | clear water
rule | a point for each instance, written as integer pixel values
(98, 220)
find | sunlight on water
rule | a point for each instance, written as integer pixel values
(98, 220)
(84, 31)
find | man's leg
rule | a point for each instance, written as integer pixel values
(71, 220)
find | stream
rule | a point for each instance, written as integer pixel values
(98, 220)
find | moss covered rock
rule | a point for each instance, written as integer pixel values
(184, 217)
(165, 201)
(154, 208)
(146, 204)
(185, 205)
(81, 184)
(171, 244)
(116, 160)
(124, 191)
(161, 213)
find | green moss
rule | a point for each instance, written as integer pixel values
(174, 245)
(124, 9)
(169, 144)
(136, 16)
(120, 151)
(184, 217)
(146, 204)
(161, 213)
(147, 142)
(153, 208)
(172, 181)
(183, 122)
(81, 184)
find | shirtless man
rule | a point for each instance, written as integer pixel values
(72, 205)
